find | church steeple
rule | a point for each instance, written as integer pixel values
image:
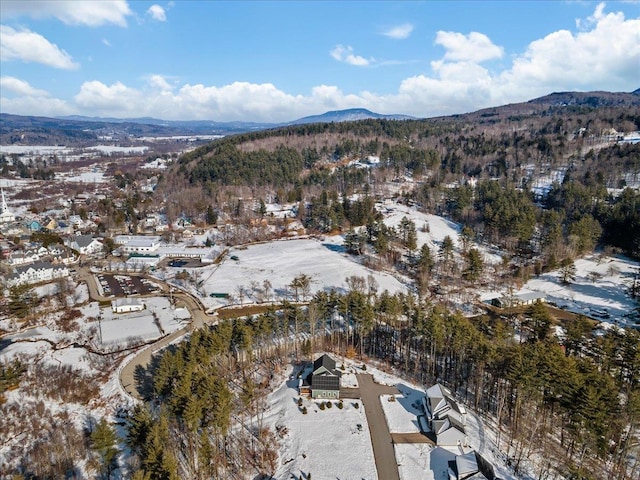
(5, 215)
(5, 207)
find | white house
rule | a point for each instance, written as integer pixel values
(127, 305)
(521, 298)
(23, 258)
(37, 272)
(445, 417)
(84, 244)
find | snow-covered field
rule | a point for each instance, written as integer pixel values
(600, 289)
(109, 149)
(280, 262)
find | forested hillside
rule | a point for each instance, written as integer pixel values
(541, 177)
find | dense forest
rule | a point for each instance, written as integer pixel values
(572, 403)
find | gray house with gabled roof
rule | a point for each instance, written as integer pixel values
(445, 417)
(325, 378)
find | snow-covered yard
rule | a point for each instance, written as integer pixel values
(600, 289)
(402, 412)
(330, 443)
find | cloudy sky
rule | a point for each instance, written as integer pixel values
(278, 61)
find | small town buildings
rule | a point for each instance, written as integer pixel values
(445, 417)
(127, 305)
(325, 378)
(37, 272)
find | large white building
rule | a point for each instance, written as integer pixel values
(37, 272)
(137, 243)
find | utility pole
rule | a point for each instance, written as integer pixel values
(100, 327)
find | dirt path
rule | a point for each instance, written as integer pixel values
(414, 437)
(381, 440)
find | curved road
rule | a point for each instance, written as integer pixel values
(369, 391)
(142, 358)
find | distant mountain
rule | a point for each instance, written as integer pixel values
(590, 99)
(554, 103)
(187, 126)
(349, 115)
(79, 130)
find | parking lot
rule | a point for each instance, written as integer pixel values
(125, 285)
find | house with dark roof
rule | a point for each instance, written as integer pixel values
(325, 378)
(445, 417)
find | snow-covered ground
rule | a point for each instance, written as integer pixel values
(600, 289)
(430, 229)
(88, 175)
(329, 444)
(117, 328)
(109, 149)
(279, 262)
(402, 411)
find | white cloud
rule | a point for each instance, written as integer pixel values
(106, 42)
(117, 98)
(32, 47)
(399, 32)
(76, 12)
(157, 13)
(605, 56)
(20, 87)
(345, 54)
(475, 47)
(158, 82)
(30, 100)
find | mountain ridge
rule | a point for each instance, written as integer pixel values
(75, 129)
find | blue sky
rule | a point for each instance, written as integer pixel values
(277, 61)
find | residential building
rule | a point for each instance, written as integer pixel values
(325, 378)
(445, 417)
(84, 244)
(37, 272)
(522, 298)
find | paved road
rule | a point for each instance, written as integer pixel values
(142, 359)
(370, 392)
